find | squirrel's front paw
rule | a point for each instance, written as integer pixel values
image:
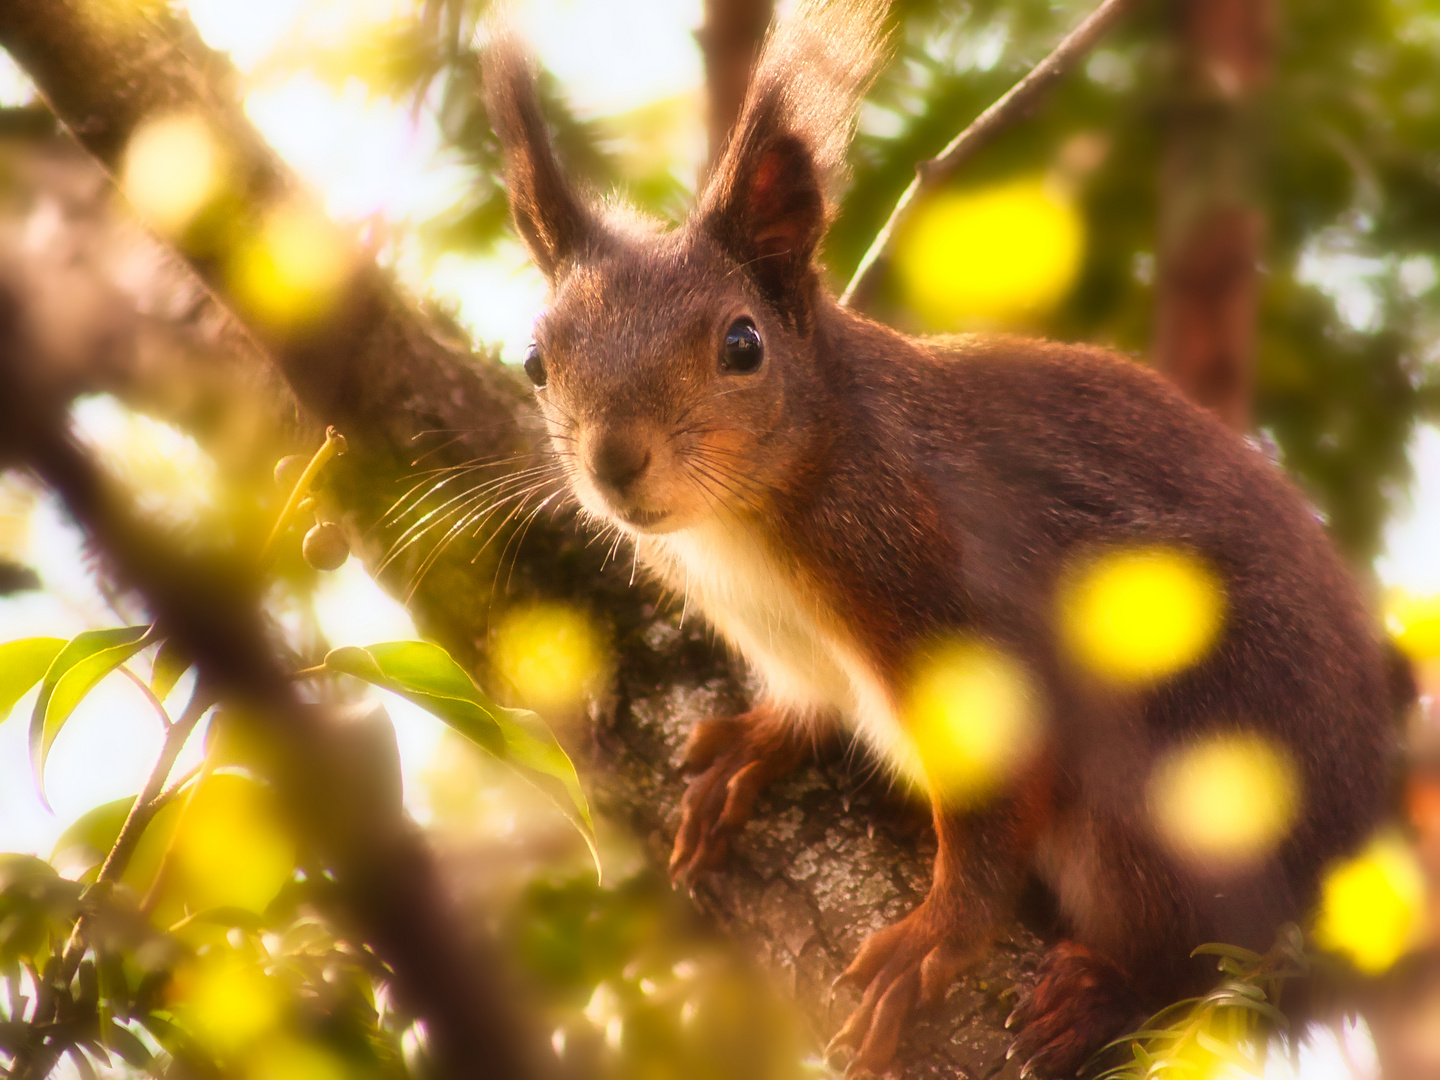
(908, 964)
(732, 759)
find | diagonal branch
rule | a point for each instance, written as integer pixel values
(210, 603)
(1016, 103)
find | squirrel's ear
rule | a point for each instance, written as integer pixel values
(770, 197)
(549, 213)
(767, 210)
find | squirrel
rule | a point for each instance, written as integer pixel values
(841, 500)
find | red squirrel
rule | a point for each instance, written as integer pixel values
(841, 499)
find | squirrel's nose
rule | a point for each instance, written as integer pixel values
(617, 460)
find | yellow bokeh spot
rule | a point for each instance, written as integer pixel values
(1140, 614)
(292, 270)
(1414, 624)
(551, 654)
(971, 720)
(1226, 801)
(173, 168)
(990, 255)
(291, 1059)
(232, 849)
(228, 1001)
(1372, 907)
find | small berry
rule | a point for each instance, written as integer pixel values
(288, 470)
(325, 546)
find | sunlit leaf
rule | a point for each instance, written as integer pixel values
(170, 663)
(1234, 952)
(173, 167)
(425, 674)
(82, 1064)
(84, 661)
(124, 1042)
(22, 664)
(232, 849)
(85, 843)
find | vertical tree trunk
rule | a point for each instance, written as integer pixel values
(729, 40)
(1211, 229)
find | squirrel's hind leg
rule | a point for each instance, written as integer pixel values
(1080, 1002)
(1131, 924)
(979, 871)
(732, 759)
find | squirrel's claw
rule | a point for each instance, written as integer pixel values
(733, 760)
(902, 967)
(1080, 1001)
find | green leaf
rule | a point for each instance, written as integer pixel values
(170, 664)
(82, 1064)
(92, 835)
(124, 1042)
(22, 664)
(1235, 986)
(1226, 1052)
(84, 661)
(425, 674)
(1235, 952)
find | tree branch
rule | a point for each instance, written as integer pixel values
(35, 1059)
(211, 604)
(730, 41)
(1016, 103)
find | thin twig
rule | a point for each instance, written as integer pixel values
(155, 702)
(167, 859)
(1018, 101)
(34, 1059)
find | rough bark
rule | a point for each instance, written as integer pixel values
(821, 865)
(1211, 229)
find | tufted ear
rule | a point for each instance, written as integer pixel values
(770, 197)
(767, 210)
(551, 217)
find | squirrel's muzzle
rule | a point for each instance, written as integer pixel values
(617, 460)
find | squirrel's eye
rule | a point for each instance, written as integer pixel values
(742, 351)
(535, 366)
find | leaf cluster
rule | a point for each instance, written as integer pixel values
(1227, 1029)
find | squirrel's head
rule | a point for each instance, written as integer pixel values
(678, 370)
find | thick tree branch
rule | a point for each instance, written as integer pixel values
(730, 41)
(1211, 227)
(211, 604)
(1016, 103)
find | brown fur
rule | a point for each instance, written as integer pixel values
(865, 494)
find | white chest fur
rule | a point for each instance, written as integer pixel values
(805, 655)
